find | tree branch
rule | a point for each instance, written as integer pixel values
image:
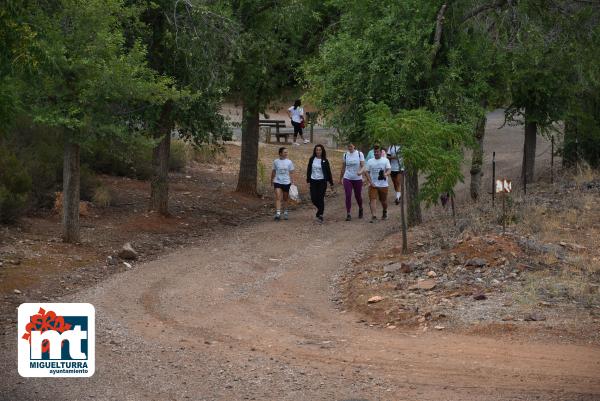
(437, 38)
(482, 8)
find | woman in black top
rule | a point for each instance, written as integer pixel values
(318, 174)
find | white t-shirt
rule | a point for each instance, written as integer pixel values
(282, 169)
(317, 170)
(374, 166)
(352, 161)
(297, 114)
(396, 163)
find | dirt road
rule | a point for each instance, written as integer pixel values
(251, 314)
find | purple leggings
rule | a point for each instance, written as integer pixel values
(357, 186)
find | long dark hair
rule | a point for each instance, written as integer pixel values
(297, 104)
(323, 153)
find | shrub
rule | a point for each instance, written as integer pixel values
(210, 153)
(129, 158)
(102, 196)
(15, 186)
(88, 182)
(179, 155)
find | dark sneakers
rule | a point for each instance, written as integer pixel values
(360, 213)
(373, 219)
(384, 215)
(348, 217)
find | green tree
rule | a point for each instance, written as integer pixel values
(274, 38)
(15, 54)
(409, 55)
(192, 43)
(546, 43)
(430, 144)
(84, 80)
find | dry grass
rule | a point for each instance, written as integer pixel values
(102, 196)
(208, 153)
(569, 218)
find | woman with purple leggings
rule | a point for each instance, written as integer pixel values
(351, 177)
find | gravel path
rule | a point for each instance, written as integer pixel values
(251, 314)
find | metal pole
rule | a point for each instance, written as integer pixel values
(552, 161)
(493, 178)
(403, 215)
(503, 212)
(312, 126)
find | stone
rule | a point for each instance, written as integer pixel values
(439, 327)
(18, 292)
(375, 299)
(127, 265)
(406, 268)
(507, 318)
(428, 284)
(128, 253)
(534, 317)
(393, 268)
(477, 262)
(522, 267)
(111, 261)
(431, 273)
(479, 297)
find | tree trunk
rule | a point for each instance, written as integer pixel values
(413, 205)
(477, 159)
(528, 168)
(70, 198)
(247, 178)
(159, 186)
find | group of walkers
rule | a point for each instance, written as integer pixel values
(376, 170)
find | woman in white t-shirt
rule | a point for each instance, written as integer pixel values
(296, 114)
(351, 177)
(282, 177)
(318, 174)
(394, 154)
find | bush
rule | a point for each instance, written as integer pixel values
(88, 183)
(40, 151)
(210, 153)
(102, 196)
(179, 155)
(128, 158)
(15, 186)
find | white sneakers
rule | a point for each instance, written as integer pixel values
(297, 144)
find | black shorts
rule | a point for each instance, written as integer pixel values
(283, 187)
(297, 128)
(395, 173)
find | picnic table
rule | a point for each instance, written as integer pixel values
(274, 123)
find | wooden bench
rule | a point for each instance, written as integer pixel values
(274, 123)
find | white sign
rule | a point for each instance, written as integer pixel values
(56, 340)
(503, 186)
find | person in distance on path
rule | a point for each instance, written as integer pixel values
(296, 114)
(378, 170)
(282, 177)
(318, 174)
